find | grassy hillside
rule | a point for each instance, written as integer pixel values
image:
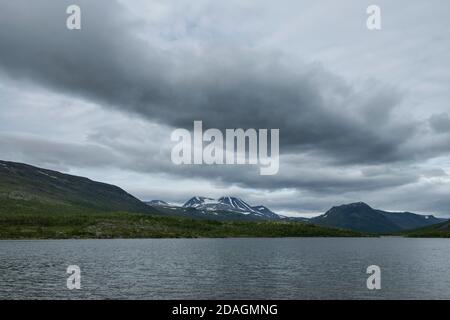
(441, 230)
(133, 225)
(24, 188)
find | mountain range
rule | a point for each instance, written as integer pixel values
(230, 204)
(28, 189)
(357, 216)
(223, 209)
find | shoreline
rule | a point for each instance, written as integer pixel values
(197, 238)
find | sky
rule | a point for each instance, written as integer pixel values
(364, 115)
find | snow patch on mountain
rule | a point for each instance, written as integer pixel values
(231, 204)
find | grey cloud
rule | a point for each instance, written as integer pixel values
(301, 172)
(121, 150)
(55, 154)
(226, 87)
(440, 123)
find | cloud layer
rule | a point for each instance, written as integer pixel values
(140, 74)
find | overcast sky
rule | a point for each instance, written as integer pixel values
(363, 115)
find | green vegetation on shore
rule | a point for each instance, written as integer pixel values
(441, 230)
(134, 225)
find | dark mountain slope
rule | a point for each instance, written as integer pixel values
(440, 230)
(361, 217)
(29, 189)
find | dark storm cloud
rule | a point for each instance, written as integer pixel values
(226, 87)
(296, 172)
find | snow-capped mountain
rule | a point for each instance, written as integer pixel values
(156, 203)
(224, 208)
(198, 202)
(237, 204)
(230, 204)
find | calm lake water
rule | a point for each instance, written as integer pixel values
(294, 268)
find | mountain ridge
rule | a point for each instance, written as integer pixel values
(361, 217)
(28, 187)
(25, 188)
(357, 216)
(231, 204)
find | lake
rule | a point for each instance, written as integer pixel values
(289, 268)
